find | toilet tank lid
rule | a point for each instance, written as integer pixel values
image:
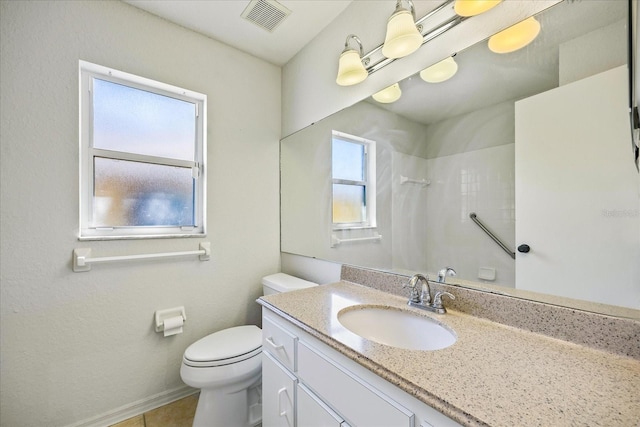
(282, 282)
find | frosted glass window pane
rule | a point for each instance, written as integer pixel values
(142, 194)
(348, 203)
(141, 122)
(348, 160)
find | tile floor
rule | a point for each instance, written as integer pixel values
(176, 414)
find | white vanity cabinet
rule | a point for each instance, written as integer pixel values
(306, 383)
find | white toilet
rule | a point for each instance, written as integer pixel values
(227, 368)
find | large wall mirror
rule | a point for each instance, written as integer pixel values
(531, 147)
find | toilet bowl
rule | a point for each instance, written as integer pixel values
(227, 368)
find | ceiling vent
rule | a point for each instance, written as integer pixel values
(266, 14)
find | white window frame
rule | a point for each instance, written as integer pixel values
(369, 183)
(87, 231)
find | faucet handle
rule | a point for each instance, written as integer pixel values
(412, 283)
(437, 299)
(444, 272)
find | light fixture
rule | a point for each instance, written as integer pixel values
(515, 37)
(403, 37)
(351, 69)
(389, 94)
(473, 7)
(440, 71)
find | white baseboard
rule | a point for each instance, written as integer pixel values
(136, 408)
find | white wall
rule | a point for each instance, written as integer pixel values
(471, 168)
(78, 345)
(592, 53)
(580, 216)
(314, 270)
(410, 233)
(480, 181)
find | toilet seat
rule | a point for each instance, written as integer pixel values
(225, 347)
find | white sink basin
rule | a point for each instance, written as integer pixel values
(396, 327)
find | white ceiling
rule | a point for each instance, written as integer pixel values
(485, 78)
(221, 20)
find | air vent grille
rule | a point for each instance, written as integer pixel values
(266, 14)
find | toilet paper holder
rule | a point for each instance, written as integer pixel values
(162, 315)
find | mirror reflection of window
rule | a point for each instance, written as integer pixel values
(353, 179)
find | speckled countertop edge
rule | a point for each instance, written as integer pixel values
(609, 333)
(495, 375)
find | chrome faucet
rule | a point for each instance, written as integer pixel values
(447, 271)
(425, 294)
(422, 299)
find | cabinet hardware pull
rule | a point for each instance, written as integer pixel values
(280, 411)
(273, 344)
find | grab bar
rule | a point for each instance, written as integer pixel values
(335, 241)
(504, 247)
(82, 256)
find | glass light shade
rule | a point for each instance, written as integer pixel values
(474, 7)
(350, 69)
(389, 94)
(440, 72)
(515, 37)
(403, 38)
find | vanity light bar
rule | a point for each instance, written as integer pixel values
(430, 35)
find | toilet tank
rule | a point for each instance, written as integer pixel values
(281, 282)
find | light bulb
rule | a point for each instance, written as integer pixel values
(440, 72)
(350, 69)
(389, 94)
(515, 37)
(403, 37)
(474, 7)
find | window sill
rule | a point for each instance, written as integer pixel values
(140, 237)
(369, 227)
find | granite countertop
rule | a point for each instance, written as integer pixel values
(494, 375)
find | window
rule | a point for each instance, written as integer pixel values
(142, 157)
(353, 173)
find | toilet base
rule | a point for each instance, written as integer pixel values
(238, 408)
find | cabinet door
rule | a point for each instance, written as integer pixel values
(278, 398)
(312, 412)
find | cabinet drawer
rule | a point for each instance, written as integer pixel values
(358, 402)
(312, 412)
(279, 343)
(278, 394)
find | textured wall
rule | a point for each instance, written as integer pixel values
(77, 345)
